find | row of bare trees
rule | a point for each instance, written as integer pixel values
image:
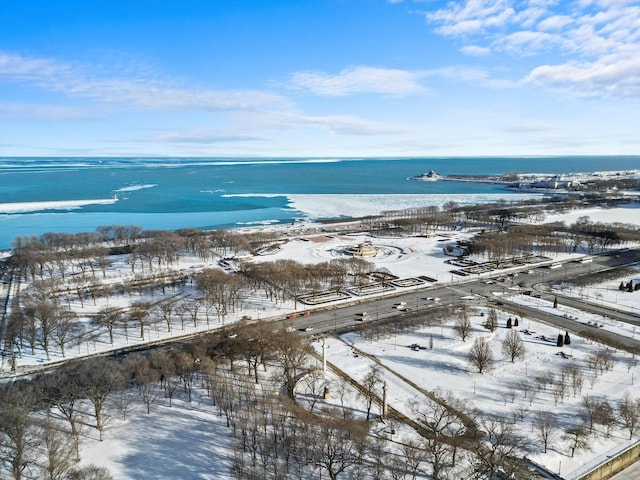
(86, 254)
(282, 279)
(552, 238)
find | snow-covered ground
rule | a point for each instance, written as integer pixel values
(138, 448)
(445, 368)
(629, 214)
(187, 440)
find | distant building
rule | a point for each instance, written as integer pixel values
(556, 182)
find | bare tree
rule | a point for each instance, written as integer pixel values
(18, 435)
(62, 389)
(338, 445)
(121, 400)
(560, 386)
(146, 378)
(313, 384)
(66, 328)
(601, 361)
(463, 326)
(588, 411)
(513, 346)
(341, 389)
(141, 313)
(500, 449)
(100, 379)
(411, 460)
(370, 385)
(629, 411)
(58, 458)
(438, 418)
(44, 315)
(186, 365)
(577, 439)
(605, 415)
(576, 379)
(480, 355)
(166, 309)
(292, 354)
(192, 306)
(492, 320)
(108, 317)
(545, 423)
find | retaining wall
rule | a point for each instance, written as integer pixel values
(614, 465)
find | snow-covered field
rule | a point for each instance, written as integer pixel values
(169, 442)
(187, 440)
(499, 392)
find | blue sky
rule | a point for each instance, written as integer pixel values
(317, 78)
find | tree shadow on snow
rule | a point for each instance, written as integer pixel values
(178, 444)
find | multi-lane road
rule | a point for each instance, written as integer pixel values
(488, 291)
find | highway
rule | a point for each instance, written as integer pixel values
(483, 291)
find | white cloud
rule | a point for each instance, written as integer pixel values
(205, 137)
(358, 80)
(351, 125)
(528, 126)
(20, 67)
(528, 17)
(22, 111)
(475, 50)
(140, 91)
(364, 79)
(555, 22)
(473, 16)
(600, 39)
(609, 76)
(526, 42)
(336, 124)
(461, 73)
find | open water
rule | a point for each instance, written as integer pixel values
(38, 195)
